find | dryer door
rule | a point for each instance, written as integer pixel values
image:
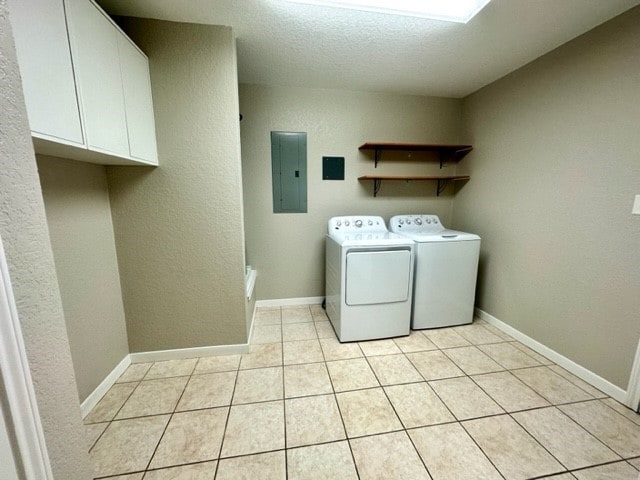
(378, 277)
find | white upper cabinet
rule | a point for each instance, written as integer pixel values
(137, 101)
(94, 44)
(42, 45)
(86, 84)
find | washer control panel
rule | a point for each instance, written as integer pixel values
(357, 224)
(415, 224)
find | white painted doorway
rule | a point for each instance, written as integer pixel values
(633, 390)
(23, 452)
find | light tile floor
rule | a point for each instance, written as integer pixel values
(459, 403)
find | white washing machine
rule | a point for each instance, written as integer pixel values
(369, 279)
(445, 272)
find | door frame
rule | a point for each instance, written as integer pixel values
(633, 389)
(25, 428)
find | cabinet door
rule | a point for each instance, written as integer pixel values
(42, 45)
(137, 100)
(94, 42)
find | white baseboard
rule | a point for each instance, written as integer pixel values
(180, 353)
(95, 396)
(578, 370)
(285, 302)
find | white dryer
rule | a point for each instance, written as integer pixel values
(445, 273)
(369, 279)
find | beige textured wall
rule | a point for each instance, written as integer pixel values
(178, 227)
(76, 201)
(23, 228)
(288, 249)
(553, 175)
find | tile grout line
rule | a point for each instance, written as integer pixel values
(226, 423)
(284, 403)
(335, 399)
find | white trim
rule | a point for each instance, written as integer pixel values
(285, 302)
(578, 370)
(94, 397)
(250, 282)
(253, 322)
(18, 385)
(633, 390)
(180, 353)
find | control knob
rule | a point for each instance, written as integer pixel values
(358, 223)
(346, 223)
(418, 221)
(370, 222)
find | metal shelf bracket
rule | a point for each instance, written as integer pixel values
(377, 183)
(378, 155)
(442, 184)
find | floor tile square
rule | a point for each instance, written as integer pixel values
(509, 356)
(623, 410)
(298, 314)
(614, 471)
(217, 363)
(509, 392)
(496, 331)
(472, 361)
(635, 463)
(611, 428)
(542, 359)
(268, 316)
(108, 406)
(415, 342)
(264, 466)
(93, 432)
(464, 398)
(551, 386)
(298, 331)
(379, 347)
(352, 374)
(208, 391)
(511, 449)
(171, 368)
(331, 461)
(127, 445)
(266, 334)
(312, 420)
(389, 456)
(254, 428)
(153, 397)
(564, 439)
(260, 356)
(134, 372)
(191, 437)
(445, 338)
(259, 385)
(434, 365)
(308, 379)
(304, 351)
(417, 405)
(450, 453)
(366, 412)
(394, 369)
(591, 390)
(316, 309)
(477, 334)
(198, 471)
(334, 350)
(325, 330)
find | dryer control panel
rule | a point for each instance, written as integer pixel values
(416, 224)
(357, 224)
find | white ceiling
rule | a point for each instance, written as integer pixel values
(282, 43)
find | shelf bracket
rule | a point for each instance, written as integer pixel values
(376, 186)
(442, 184)
(444, 158)
(378, 154)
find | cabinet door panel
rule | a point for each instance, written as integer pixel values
(138, 102)
(97, 64)
(42, 45)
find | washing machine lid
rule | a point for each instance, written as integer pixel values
(370, 239)
(442, 236)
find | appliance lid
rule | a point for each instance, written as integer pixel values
(442, 236)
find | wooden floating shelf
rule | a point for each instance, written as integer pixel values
(442, 181)
(453, 153)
